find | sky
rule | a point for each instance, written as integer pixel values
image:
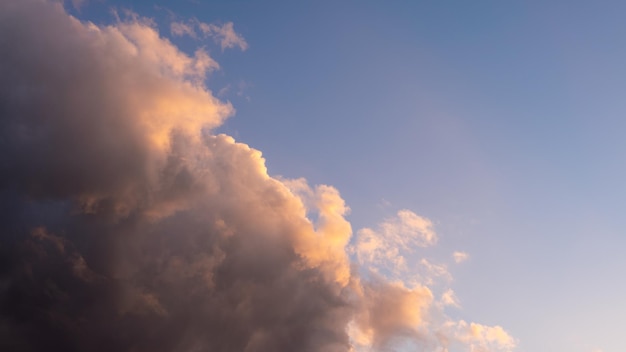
(312, 176)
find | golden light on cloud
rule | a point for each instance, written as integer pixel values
(141, 229)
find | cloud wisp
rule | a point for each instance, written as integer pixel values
(460, 257)
(130, 226)
(224, 35)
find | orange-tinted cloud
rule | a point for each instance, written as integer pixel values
(132, 226)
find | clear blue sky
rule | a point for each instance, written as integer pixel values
(501, 121)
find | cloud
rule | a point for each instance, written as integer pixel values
(130, 225)
(401, 313)
(434, 271)
(460, 257)
(224, 35)
(88, 111)
(449, 298)
(389, 311)
(481, 338)
(181, 29)
(387, 248)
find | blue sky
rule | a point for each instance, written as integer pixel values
(502, 122)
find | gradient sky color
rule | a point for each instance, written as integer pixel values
(500, 121)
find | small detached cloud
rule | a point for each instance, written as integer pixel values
(460, 257)
(224, 35)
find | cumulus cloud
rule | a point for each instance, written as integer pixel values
(131, 229)
(389, 312)
(131, 226)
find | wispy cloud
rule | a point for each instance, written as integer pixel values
(181, 29)
(224, 34)
(448, 298)
(389, 248)
(460, 257)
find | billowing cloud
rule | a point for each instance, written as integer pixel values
(131, 226)
(388, 313)
(128, 227)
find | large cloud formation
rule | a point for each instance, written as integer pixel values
(129, 226)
